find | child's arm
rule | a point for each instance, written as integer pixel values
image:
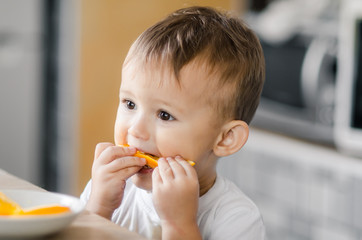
(112, 166)
(175, 196)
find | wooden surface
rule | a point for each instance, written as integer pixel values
(86, 226)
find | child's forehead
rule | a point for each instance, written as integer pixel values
(161, 73)
(149, 75)
(195, 79)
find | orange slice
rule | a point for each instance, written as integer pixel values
(8, 206)
(151, 159)
(56, 209)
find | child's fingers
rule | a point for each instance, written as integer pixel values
(100, 148)
(189, 170)
(177, 168)
(126, 172)
(121, 168)
(156, 178)
(125, 163)
(165, 170)
(111, 153)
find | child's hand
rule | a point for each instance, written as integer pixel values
(175, 189)
(112, 166)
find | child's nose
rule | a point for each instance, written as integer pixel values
(139, 128)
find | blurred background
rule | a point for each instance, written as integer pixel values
(60, 70)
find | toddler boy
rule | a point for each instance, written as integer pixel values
(190, 86)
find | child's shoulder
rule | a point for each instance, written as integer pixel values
(226, 211)
(225, 194)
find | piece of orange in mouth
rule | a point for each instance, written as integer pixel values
(151, 159)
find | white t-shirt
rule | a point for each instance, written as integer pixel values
(224, 213)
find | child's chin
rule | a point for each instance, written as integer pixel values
(143, 181)
(145, 170)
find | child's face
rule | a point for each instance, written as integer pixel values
(159, 116)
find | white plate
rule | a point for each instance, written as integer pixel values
(34, 226)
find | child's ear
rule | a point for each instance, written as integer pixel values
(233, 136)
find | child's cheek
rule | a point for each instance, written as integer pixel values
(120, 129)
(172, 144)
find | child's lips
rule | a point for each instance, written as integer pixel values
(147, 153)
(150, 158)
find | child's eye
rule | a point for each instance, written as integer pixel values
(129, 104)
(165, 116)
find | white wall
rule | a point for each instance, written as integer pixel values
(20, 87)
(304, 190)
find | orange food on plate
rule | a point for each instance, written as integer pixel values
(7, 206)
(10, 208)
(46, 210)
(151, 159)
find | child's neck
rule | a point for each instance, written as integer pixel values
(207, 183)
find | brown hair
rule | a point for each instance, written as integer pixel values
(225, 43)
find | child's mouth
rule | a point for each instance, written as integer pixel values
(151, 162)
(145, 169)
(151, 159)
